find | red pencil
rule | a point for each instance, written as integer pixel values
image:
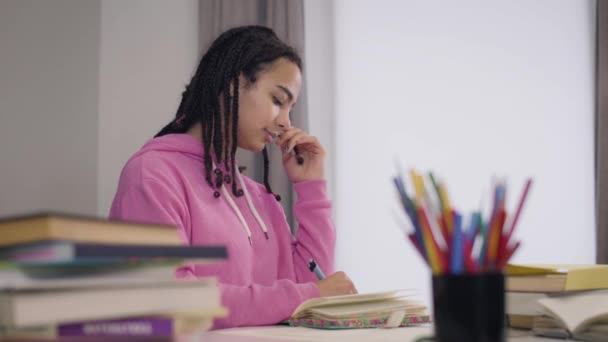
(497, 239)
(510, 253)
(502, 241)
(470, 264)
(522, 200)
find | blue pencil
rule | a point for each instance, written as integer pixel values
(472, 231)
(403, 196)
(457, 257)
(410, 209)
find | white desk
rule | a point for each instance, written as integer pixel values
(289, 334)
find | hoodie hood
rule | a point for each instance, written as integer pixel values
(181, 143)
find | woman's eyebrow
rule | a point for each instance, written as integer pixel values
(286, 91)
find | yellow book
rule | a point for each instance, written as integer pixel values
(521, 321)
(58, 304)
(556, 278)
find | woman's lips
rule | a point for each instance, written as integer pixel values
(270, 136)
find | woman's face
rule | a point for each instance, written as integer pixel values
(264, 106)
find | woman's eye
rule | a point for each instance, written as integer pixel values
(276, 101)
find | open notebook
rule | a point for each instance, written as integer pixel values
(385, 309)
(582, 316)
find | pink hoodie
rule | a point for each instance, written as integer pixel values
(261, 283)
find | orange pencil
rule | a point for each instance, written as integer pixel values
(496, 232)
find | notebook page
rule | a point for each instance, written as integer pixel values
(576, 311)
(369, 308)
(336, 300)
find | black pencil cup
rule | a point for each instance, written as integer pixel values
(469, 307)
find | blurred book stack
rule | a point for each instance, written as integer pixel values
(565, 301)
(66, 277)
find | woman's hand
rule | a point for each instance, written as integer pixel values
(336, 284)
(310, 152)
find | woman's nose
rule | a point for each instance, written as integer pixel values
(283, 121)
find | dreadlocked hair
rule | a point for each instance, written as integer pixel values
(212, 96)
(266, 182)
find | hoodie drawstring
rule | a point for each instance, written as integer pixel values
(238, 213)
(251, 206)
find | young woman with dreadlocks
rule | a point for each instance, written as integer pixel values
(240, 96)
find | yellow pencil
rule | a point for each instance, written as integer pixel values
(418, 186)
(427, 234)
(431, 248)
(447, 208)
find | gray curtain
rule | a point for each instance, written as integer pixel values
(286, 18)
(601, 134)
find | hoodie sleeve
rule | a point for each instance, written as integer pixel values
(316, 234)
(151, 201)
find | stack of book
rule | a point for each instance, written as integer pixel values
(567, 301)
(65, 277)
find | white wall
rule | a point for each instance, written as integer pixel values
(88, 82)
(48, 105)
(319, 77)
(83, 84)
(469, 89)
(149, 50)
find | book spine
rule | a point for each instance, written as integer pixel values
(133, 327)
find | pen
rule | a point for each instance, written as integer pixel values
(313, 267)
(295, 151)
